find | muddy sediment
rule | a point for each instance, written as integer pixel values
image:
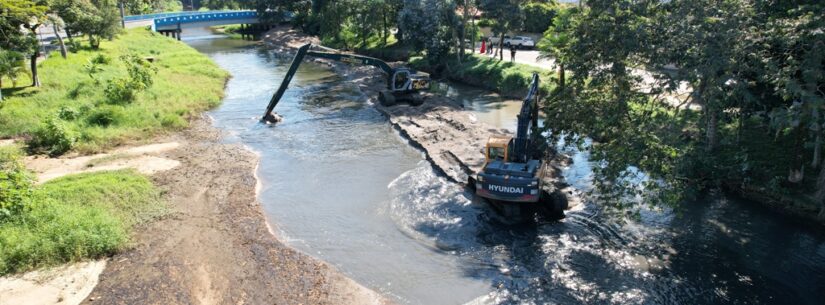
(452, 138)
(216, 247)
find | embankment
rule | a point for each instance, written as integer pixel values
(504, 77)
(216, 246)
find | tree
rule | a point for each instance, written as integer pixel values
(57, 24)
(557, 40)
(795, 66)
(429, 25)
(25, 14)
(70, 12)
(11, 65)
(101, 20)
(538, 16)
(708, 38)
(507, 15)
(274, 11)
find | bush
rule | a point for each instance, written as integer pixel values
(538, 17)
(106, 115)
(120, 91)
(125, 90)
(53, 137)
(485, 23)
(68, 113)
(15, 184)
(172, 121)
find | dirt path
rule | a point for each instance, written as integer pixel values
(216, 247)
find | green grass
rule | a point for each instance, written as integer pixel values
(505, 77)
(186, 84)
(231, 30)
(77, 217)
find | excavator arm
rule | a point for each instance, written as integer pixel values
(411, 81)
(527, 122)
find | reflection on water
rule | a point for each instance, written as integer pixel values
(339, 184)
(487, 106)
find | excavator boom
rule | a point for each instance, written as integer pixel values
(399, 81)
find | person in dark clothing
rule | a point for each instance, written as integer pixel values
(512, 53)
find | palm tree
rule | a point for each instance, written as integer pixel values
(557, 39)
(11, 65)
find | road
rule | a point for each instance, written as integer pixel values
(649, 81)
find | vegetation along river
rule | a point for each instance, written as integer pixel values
(340, 184)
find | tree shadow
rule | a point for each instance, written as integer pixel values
(75, 92)
(25, 91)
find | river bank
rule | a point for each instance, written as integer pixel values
(216, 247)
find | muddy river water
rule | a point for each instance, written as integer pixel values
(340, 184)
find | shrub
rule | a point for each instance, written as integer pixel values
(120, 91)
(172, 121)
(106, 115)
(95, 64)
(53, 137)
(125, 90)
(15, 184)
(140, 70)
(68, 113)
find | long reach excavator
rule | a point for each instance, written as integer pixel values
(403, 84)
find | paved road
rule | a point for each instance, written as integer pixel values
(676, 99)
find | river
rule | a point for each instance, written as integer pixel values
(340, 184)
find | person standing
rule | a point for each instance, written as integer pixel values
(512, 53)
(483, 47)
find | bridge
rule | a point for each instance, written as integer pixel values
(172, 24)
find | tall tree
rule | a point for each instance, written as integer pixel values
(708, 38)
(28, 15)
(507, 15)
(429, 25)
(556, 42)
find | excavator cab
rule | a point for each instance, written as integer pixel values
(400, 80)
(497, 148)
(406, 80)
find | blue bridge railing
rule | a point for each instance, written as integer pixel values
(203, 16)
(172, 14)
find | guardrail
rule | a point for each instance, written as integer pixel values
(205, 16)
(173, 14)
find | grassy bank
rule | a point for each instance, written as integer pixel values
(231, 30)
(73, 100)
(507, 78)
(72, 218)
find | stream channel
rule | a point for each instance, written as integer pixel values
(340, 184)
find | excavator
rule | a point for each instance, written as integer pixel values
(514, 168)
(403, 84)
